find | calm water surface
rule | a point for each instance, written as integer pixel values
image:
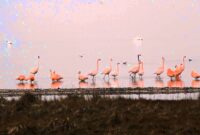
(66, 62)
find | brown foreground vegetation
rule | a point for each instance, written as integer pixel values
(98, 116)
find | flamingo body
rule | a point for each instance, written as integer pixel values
(135, 69)
(31, 78)
(21, 78)
(108, 70)
(195, 75)
(82, 77)
(55, 76)
(170, 73)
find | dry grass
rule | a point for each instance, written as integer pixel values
(100, 116)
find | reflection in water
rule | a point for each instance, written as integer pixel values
(195, 83)
(56, 84)
(27, 86)
(107, 84)
(31, 86)
(115, 83)
(83, 84)
(20, 86)
(134, 83)
(93, 84)
(177, 83)
(159, 83)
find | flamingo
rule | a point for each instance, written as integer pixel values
(55, 77)
(116, 72)
(82, 77)
(31, 78)
(161, 69)
(21, 78)
(95, 72)
(170, 73)
(179, 69)
(35, 69)
(107, 70)
(195, 75)
(141, 70)
(135, 69)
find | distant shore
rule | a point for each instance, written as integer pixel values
(97, 91)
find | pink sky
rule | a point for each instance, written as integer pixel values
(169, 27)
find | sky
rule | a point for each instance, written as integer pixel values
(60, 29)
(66, 20)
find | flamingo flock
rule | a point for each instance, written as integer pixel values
(31, 76)
(173, 73)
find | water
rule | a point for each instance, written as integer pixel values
(176, 96)
(94, 30)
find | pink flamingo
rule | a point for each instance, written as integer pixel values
(161, 69)
(35, 69)
(107, 70)
(141, 70)
(170, 73)
(82, 77)
(116, 72)
(95, 72)
(55, 77)
(179, 69)
(135, 69)
(195, 75)
(31, 78)
(21, 78)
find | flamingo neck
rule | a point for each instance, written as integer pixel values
(163, 63)
(142, 66)
(38, 63)
(97, 66)
(110, 64)
(139, 65)
(138, 58)
(117, 68)
(51, 73)
(183, 61)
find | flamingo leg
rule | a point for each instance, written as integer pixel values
(104, 76)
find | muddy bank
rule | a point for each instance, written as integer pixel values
(99, 91)
(75, 115)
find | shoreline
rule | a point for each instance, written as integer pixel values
(97, 91)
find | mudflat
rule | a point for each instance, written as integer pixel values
(98, 115)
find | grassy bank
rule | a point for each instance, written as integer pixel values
(75, 115)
